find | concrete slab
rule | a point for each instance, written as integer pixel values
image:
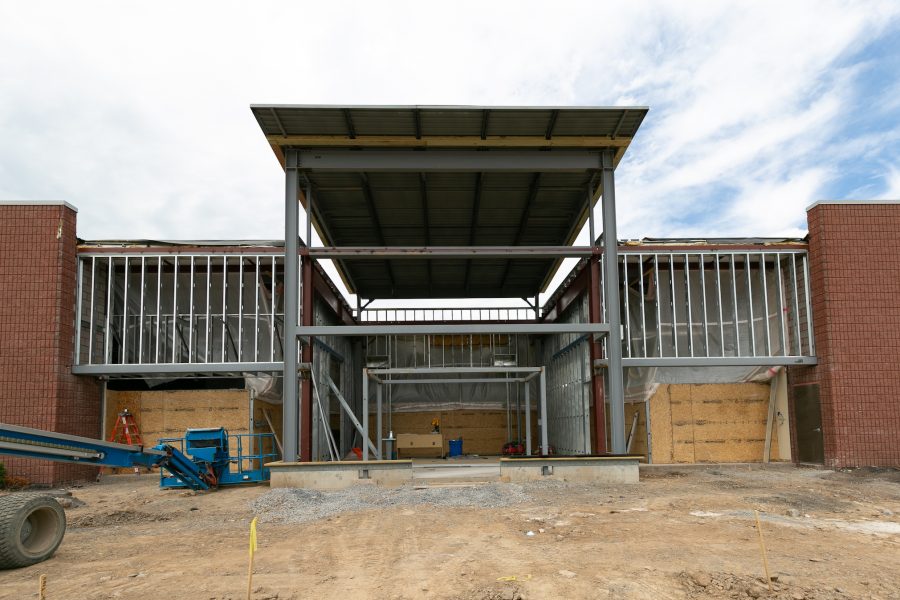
(339, 475)
(593, 469)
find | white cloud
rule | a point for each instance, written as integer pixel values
(139, 114)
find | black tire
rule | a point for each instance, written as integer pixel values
(31, 529)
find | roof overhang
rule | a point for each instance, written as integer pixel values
(393, 176)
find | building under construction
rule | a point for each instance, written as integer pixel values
(713, 350)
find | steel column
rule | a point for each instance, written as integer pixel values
(545, 443)
(611, 296)
(378, 423)
(365, 413)
(290, 416)
(528, 418)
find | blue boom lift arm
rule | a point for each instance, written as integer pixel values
(61, 447)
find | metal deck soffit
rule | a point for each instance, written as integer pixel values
(430, 191)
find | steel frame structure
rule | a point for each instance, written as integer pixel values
(699, 304)
(178, 312)
(298, 161)
(506, 375)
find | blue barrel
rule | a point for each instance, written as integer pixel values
(455, 447)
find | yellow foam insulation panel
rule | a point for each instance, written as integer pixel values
(698, 423)
(168, 414)
(483, 431)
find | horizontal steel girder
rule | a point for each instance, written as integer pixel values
(454, 329)
(449, 160)
(379, 253)
(178, 368)
(727, 361)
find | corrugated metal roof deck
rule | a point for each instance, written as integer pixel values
(449, 208)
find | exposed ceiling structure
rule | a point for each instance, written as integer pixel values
(466, 207)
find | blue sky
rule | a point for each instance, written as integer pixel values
(138, 113)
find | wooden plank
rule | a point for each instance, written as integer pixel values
(773, 388)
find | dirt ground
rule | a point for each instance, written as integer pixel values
(680, 533)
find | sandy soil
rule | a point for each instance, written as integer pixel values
(677, 534)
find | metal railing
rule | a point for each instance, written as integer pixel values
(430, 314)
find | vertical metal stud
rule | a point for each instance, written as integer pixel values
(765, 288)
(79, 291)
(627, 320)
(174, 307)
(719, 297)
(191, 314)
(240, 344)
(93, 291)
(643, 311)
(142, 297)
(158, 306)
(109, 271)
(811, 347)
(690, 310)
(782, 309)
(658, 302)
(703, 305)
(224, 357)
(737, 331)
(125, 316)
(750, 304)
(272, 324)
(256, 313)
(795, 283)
(672, 303)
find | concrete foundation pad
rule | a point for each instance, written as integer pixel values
(594, 469)
(327, 476)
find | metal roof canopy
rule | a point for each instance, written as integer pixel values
(449, 176)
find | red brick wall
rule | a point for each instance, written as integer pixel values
(854, 252)
(37, 335)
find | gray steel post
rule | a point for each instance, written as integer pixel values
(290, 414)
(611, 298)
(528, 418)
(365, 415)
(378, 424)
(545, 443)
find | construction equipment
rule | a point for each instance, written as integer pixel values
(211, 447)
(32, 525)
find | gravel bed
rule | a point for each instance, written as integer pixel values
(289, 505)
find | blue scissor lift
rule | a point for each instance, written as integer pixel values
(32, 525)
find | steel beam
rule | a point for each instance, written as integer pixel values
(611, 297)
(418, 253)
(716, 361)
(290, 416)
(441, 370)
(177, 368)
(449, 160)
(450, 380)
(454, 329)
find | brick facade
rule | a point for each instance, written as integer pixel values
(37, 314)
(854, 252)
